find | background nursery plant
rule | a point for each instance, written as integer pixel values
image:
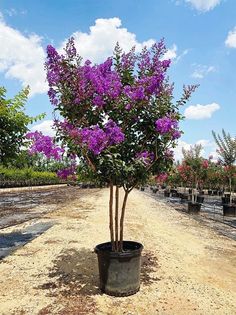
(227, 152)
(196, 167)
(119, 118)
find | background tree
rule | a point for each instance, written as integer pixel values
(226, 147)
(195, 163)
(227, 152)
(13, 124)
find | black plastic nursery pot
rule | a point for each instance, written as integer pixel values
(229, 210)
(174, 193)
(225, 200)
(194, 207)
(166, 193)
(119, 272)
(183, 196)
(200, 199)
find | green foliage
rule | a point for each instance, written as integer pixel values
(194, 154)
(12, 177)
(226, 147)
(13, 124)
(215, 176)
(173, 179)
(193, 160)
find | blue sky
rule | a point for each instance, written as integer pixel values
(200, 36)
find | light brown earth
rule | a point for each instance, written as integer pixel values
(187, 268)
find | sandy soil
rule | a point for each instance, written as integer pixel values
(187, 267)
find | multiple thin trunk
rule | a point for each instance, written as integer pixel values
(116, 225)
(230, 190)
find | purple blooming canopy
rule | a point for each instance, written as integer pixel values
(44, 144)
(168, 125)
(116, 113)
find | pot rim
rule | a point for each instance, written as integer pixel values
(138, 247)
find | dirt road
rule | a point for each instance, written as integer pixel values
(187, 267)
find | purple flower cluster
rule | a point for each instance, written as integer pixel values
(169, 154)
(134, 94)
(94, 139)
(97, 139)
(168, 125)
(151, 75)
(146, 157)
(128, 60)
(44, 144)
(114, 133)
(67, 172)
(103, 84)
(99, 83)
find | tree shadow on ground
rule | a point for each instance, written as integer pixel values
(148, 268)
(75, 272)
(74, 282)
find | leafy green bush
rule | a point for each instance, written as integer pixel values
(12, 177)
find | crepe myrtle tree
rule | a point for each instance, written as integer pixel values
(227, 155)
(215, 176)
(119, 118)
(195, 167)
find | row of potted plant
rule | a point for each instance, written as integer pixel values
(12, 177)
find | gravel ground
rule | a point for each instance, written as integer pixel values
(187, 267)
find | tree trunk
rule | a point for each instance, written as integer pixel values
(116, 219)
(122, 220)
(230, 191)
(192, 193)
(111, 217)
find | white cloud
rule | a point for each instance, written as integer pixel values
(11, 12)
(22, 58)
(45, 127)
(208, 148)
(171, 53)
(215, 156)
(99, 43)
(204, 143)
(184, 53)
(14, 12)
(204, 5)
(202, 70)
(178, 155)
(231, 39)
(201, 111)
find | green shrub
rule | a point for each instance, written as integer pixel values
(12, 177)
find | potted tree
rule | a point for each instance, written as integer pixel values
(229, 203)
(196, 166)
(161, 179)
(119, 120)
(184, 174)
(227, 157)
(215, 177)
